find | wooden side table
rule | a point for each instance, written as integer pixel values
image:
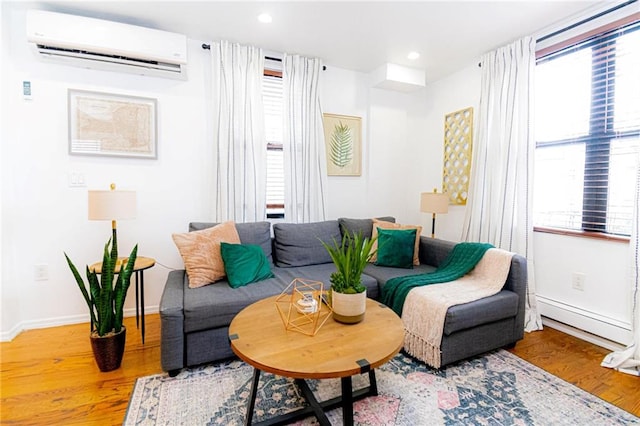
(139, 267)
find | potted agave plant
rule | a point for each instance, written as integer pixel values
(105, 298)
(348, 295)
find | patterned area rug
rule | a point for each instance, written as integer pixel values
(496, 389)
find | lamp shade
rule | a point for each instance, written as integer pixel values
(112, 205)
(434, 202)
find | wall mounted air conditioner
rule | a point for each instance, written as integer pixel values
(98, 44)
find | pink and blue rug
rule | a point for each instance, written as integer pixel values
(495, 389)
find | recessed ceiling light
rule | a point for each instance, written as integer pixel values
(265, 18)
(413, 55)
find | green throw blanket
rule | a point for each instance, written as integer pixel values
(462, 259)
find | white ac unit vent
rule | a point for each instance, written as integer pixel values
(105, 45)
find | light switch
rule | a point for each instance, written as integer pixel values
(77, 180)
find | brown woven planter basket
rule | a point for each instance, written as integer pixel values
(108, 350)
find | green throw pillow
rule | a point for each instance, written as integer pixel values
(244, 264)
(395, 247)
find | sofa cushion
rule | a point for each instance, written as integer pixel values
(386, 225)
(364, 226)
(250, 233)
(200, 251)
(395, 247)
(484, 311)
(216, 305)
(299, 244)
(244, 264)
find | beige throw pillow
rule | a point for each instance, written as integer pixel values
(389, 225)
(200, 251)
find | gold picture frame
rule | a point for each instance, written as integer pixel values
(343, 142)
(458, 141)
(105, 124)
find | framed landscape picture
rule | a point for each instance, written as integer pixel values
(343, 142)
(112, 125)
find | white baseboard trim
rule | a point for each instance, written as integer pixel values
(7, 336)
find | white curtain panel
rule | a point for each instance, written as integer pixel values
(241, 149)
(305, 168)
(628, 360)
(499, 204)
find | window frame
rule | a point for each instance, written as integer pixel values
(601, 127)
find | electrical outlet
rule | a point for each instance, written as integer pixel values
(41, 272)
(577, 281)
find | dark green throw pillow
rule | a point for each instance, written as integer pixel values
(244, 264)
(395, 247)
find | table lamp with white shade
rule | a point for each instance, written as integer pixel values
(112, 205)
(434, 202)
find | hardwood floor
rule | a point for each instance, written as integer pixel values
(578, 362)
(49, 376)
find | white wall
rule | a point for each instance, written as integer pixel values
(42, 216)
(6, 314)
(403, 143)
(387, 152)
(604, 307)
(458, 91)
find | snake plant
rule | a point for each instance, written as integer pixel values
(106, 295)
(350, 257)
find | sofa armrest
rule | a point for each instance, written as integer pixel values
(433, 251)
(517, 282)
(172, 322)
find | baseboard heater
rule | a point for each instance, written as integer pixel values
(589, 326)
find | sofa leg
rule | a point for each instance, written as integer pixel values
(173, 373)
(510, 346)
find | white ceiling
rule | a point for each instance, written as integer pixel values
(356, 35)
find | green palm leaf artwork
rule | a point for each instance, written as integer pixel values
(341, 145)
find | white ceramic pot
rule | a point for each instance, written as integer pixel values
(348, 308)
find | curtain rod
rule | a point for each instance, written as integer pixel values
(584, 21)
(271, 58)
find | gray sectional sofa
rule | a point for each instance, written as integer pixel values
(195, 321)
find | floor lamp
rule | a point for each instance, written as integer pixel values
(112, 205)
(434, 202)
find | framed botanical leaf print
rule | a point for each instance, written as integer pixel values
(343, 142)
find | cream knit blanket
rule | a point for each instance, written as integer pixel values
(426, 307)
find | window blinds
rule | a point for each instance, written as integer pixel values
(587, 124)
(272, 96)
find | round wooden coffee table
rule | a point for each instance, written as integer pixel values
(259, 338)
